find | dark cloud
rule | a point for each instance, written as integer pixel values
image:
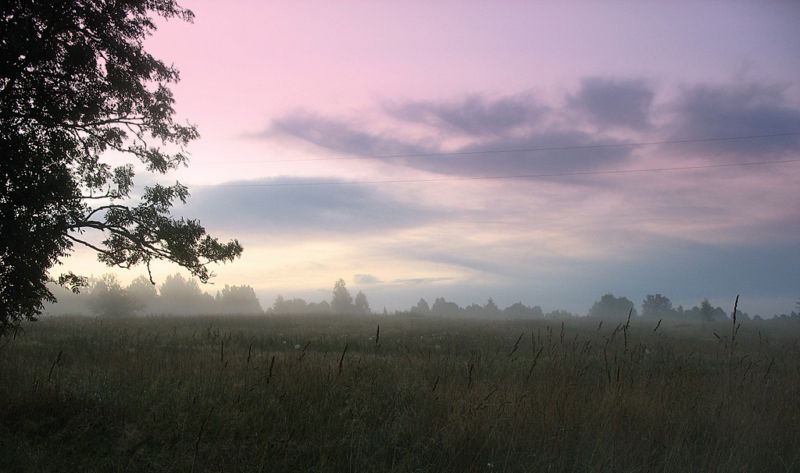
(289, 205)
(536, 154)
(481, 159)
(339, 136)
(473, 115)
(614, 102)
(720, 111)
(365, 279)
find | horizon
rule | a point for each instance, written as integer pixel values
(81, 303)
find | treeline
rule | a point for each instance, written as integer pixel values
(608, 307)
(177, 295)
(181, 296)
(342, 302)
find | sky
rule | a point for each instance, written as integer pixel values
(542, 152)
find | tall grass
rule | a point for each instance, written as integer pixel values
(338, 394)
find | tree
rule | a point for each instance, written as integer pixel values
(706, 311)
(361, 304)
(474, 311)
(491, 309)
(318, 307)
(143, 292)
(183, 296)
(76, 84)
(422, 308)
(342, 302)
(238, 300)
(279, 305)
(657, 307)
(108, 299)
(518, 310)
(443, 308)
(612, 308)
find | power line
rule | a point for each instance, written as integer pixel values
(629, 144)
(501, 177)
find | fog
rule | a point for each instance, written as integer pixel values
(176, 295)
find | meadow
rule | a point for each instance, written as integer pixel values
(398, 394)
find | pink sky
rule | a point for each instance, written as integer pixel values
(274, 85)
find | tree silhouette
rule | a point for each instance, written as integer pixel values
(108, 298)
(491, 309)
(143, 292)
(709, 313)
(422, 308)
(443, 308)
(612, 308)
(75, 84)
(519, 310)
(179, 295)
(361, 304)
(238, 300)
(342, 302)
(657, 306)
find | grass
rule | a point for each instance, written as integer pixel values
(319, 394)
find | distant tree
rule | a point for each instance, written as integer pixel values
(519, 310)
(238, 300)
(474, 311)
(107, 298)
(184, 296)
(657, 307)
(279, 305)
(612, 308)
(296, 306)
(490, 309)
(322, 307)
(361, 304)
(707, 310)
(679, 312)
(78, 86)
(342, 302)
(422, 308)
(144, 293)
(442, 308)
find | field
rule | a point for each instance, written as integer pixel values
(339, 394)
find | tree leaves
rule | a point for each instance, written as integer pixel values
(76, 83)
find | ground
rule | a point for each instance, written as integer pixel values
(334, 394)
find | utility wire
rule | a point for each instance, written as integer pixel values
(630, 144)
(500, 177)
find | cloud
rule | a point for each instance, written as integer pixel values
(514, 135)
(472, 115)
(339, 136)
(365, 279)
(614, 102)
(534, 155)
(421, 281)
(290, 205)
(481, 158)
(713, 111)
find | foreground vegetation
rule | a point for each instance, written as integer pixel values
(338, 394)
